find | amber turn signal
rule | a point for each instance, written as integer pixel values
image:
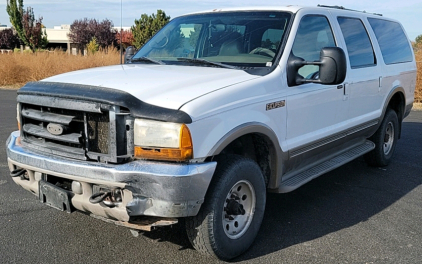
(183, 153)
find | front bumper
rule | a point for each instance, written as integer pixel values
(149, 188)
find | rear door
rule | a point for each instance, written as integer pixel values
(362, 84)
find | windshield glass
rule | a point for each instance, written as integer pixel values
(241, 39)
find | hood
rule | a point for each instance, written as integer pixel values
(168, 86)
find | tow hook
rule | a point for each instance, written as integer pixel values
(18, 173)
(109, 198)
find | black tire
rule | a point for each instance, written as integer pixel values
(385, 140)
(229, 235)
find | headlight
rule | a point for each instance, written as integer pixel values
(162, 141)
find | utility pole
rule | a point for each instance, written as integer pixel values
(121, 31)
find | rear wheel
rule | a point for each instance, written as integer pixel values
(231, 215)
(385, 140)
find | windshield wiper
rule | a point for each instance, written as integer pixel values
(205, 62)
(146, 59)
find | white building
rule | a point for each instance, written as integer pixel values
(3, 27)
(58, 37)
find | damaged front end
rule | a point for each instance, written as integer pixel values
(75, 151)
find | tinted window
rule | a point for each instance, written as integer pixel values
(394, 45)
(313, 34)
(357, 40)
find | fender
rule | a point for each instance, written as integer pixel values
(278, 156)
(402, 109)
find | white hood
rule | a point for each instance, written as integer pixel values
(162, 85)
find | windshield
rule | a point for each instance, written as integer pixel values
(241, 39)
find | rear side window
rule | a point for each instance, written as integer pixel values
(359, 47)
(394, 45)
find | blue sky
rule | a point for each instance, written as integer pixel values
(55, 13)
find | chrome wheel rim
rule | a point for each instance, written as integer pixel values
(238, 209)
(388, 138)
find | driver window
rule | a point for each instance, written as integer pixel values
(313, 34)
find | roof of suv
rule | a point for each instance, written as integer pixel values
(288, 8)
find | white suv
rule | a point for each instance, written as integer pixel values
(215, 110)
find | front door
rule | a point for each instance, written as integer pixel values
(313, 110)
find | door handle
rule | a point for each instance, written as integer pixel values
(345, 94)
(342, 86)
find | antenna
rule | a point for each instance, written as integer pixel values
(121, 31)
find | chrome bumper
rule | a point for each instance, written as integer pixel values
(149, 188)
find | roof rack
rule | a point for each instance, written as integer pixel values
(343, 8)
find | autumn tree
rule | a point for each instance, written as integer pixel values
(127, 38)
(103, 32)
(33, 30)
(79, 33)
(83, 31)
(8, 39)
(147, 26)
(27, 27)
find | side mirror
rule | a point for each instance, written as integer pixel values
(130, 51)
(332, 68)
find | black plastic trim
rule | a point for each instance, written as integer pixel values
(111, 96)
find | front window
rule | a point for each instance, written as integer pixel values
(237, 39)
(313, 34)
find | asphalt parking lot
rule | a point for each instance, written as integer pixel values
(354, 214)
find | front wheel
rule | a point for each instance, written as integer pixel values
(385, 140)
(231, 215)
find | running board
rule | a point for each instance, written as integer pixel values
(295, 181)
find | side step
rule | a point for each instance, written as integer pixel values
(297, 180)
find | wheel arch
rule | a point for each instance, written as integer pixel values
(396, 100)
(258, 142)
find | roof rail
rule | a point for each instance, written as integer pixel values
(343, 8)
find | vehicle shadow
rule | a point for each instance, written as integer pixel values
(339, 199)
